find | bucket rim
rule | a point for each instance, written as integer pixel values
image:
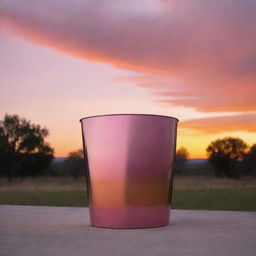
(129, 114)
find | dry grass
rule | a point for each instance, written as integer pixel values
(209, 182)
(43, 184)
(69, 184)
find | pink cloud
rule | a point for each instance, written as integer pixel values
(245, 122)
(200, 54)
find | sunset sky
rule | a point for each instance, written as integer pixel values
(195, 60)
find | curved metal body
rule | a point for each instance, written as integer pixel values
(130, 175)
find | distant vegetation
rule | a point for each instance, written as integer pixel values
(24, 152)
(228, 157)
(23, 149)
(75, 165)
(181, 160)
(231, 157)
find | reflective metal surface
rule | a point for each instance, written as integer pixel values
(130, 173)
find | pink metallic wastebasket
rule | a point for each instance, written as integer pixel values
(130, 174)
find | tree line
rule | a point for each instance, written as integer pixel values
(232, 157)
(23, 149)
(25, 152)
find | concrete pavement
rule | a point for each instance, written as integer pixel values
(65, 231)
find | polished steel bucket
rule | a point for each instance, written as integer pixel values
(130, 169)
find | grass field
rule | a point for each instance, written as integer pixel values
(204, 193)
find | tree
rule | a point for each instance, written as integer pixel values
(250, 161)
(227, 155)
(23, 150)
(75, 164)
(181, 159)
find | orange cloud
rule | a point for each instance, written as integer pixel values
(245, 122)
(198, 54)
